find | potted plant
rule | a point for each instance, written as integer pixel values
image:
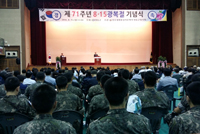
(58, 63)
(162, 61)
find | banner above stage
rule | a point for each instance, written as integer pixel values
(101, 15)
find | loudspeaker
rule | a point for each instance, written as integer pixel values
(11, 54)
(18, 61)
(193, 52)
(30, 4)
(175, 4)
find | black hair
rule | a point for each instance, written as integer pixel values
(125, 74)
(21, 78)
(136, 71)
(55, 74)
(130, 75)
(68, 75)
(108, 72)
(150, 78)
(142, 74)
(48, 72)
(35, 71)
(99, 75)
(28, 74)
(155, 69)
(16, 73)
(40, 76)
(104, 78)
(12, 83)
(44, 96)
(167, 72)
(24, 71)
(116, 89)
(176, 70)
(61, 82)
(193, 91)
(196, 77)
(88, 74)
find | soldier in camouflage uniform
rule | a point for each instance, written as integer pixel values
(96, 89)
(94, 105)
(72, 89)
(65, 100)
(44, 101)
(2, 91)
(132, 85)
(188, 122)
(39, 80)
(12, 103)
(118, 120)
(149, 96)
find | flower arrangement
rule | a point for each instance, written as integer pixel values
(58, 63)
(162, 61)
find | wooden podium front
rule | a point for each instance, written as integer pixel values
(97, 60)
(63, 60)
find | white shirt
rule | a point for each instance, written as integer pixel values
(28, 81)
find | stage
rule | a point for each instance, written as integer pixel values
(128, 66)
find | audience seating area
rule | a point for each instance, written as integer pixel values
(9, 121)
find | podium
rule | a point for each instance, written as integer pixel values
(97, 60)
(63, 60)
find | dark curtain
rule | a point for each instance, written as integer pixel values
(162, 31)
(38, 40)
(162, 39)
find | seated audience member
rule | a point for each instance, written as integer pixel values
(85, 82)
(118, 120)
(93, 81)
(16, 73)
(188, 122)
(72, 89)
(44, 102)
(22, 86)
(176, 75)
(96, 89)
(49, 79)
(132, 85)
(24, 72)
(167, 80)
(66, 100)
(29, 90)
(149, 96)
(136, 75)
(11, 103)
(141, 83)
(95, 104)
(34, 70)
(28, 80)
(2, 86)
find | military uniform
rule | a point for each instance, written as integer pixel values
(152, 98)
(98, 102)
(31, 88)
(13, 103)
(186, 123)
(132, 87)
(119, 121)
(68, 101)
(2, 91)
(184, 105)
(94, 90)
(75, 90)
(45, 124)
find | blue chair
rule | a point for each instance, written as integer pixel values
(154, 114)
(9, 121)
(73, 117)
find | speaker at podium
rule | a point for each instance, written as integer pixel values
(63, 59)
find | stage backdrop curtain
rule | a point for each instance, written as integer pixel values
(38, 39)
(162, 39)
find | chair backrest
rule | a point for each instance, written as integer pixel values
(99, 113)
(137, 80)
(169, 90)
(154, 114)
(9, 121)
(73, 117)
(96, 115)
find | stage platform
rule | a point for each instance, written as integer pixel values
(129, 67)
